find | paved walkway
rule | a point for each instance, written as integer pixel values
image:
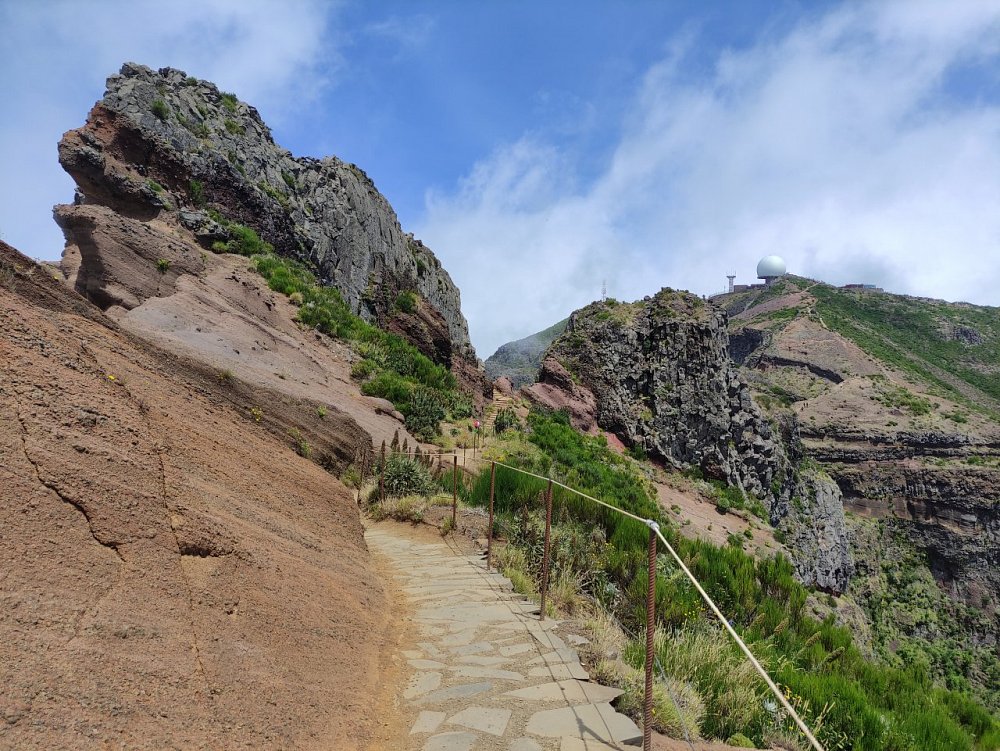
(487, 675)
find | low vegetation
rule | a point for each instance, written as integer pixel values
(390, 367)
(160, 110)
(850, 702)
(929, 339)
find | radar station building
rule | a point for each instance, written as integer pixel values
(770, 269)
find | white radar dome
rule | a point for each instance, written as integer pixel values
(770, 266)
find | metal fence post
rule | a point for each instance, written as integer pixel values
(647, 707)
(454, 494)
(545, 555)
(489, 528)
(363, 473)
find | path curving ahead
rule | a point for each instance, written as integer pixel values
(487, 675)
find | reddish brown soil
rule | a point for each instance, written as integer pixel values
(172, 574)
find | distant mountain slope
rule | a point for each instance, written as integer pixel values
(896, 399)
(953, 348)
(520, 360)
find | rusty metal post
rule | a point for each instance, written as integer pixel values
(363, 474)
(647, 707)
(454, 495)
(545, 554)
(489, 528)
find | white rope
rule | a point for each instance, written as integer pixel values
(746, 650)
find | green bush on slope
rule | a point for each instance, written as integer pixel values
(391, 368)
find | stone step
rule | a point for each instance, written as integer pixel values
(598, 722)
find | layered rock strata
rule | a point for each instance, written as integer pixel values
(172, 574)
(164, 148)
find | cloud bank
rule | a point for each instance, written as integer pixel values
(863, 146)
(56, 54)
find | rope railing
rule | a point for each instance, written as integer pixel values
(654, 535)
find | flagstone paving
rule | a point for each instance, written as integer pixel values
(487, 674)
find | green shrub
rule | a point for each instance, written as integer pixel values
(424, 412)
(299, 443)
(637, 452)
(160, 109)
(243, 241)
(405, 509)
(162, 265)
(461, 407)
(404, 476)
(197, 192)
(678, 710)
(234, 127)
(229, 101)
(406, 301)
(506, 419)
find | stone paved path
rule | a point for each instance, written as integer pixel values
(487, 675)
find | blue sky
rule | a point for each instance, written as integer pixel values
(541, 148)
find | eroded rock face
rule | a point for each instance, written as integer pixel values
(161, 145)
(556, 390)
(818, 534)
(168, 560)
(661, 379)
(951, 512)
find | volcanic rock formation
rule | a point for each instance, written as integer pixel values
(172, 573)
(164, 146)
(657, 374)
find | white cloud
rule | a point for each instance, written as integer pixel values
(407, 33)
(57, 53)
(839, 145)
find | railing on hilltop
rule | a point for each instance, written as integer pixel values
(654, 535)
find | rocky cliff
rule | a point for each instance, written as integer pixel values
(896, 402)
(179, 157)
(663, 382)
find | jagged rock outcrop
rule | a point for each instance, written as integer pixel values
(657, 374)
(179, 156)
(815, 530)
(663, 381)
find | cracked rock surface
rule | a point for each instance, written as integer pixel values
(171, 573)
